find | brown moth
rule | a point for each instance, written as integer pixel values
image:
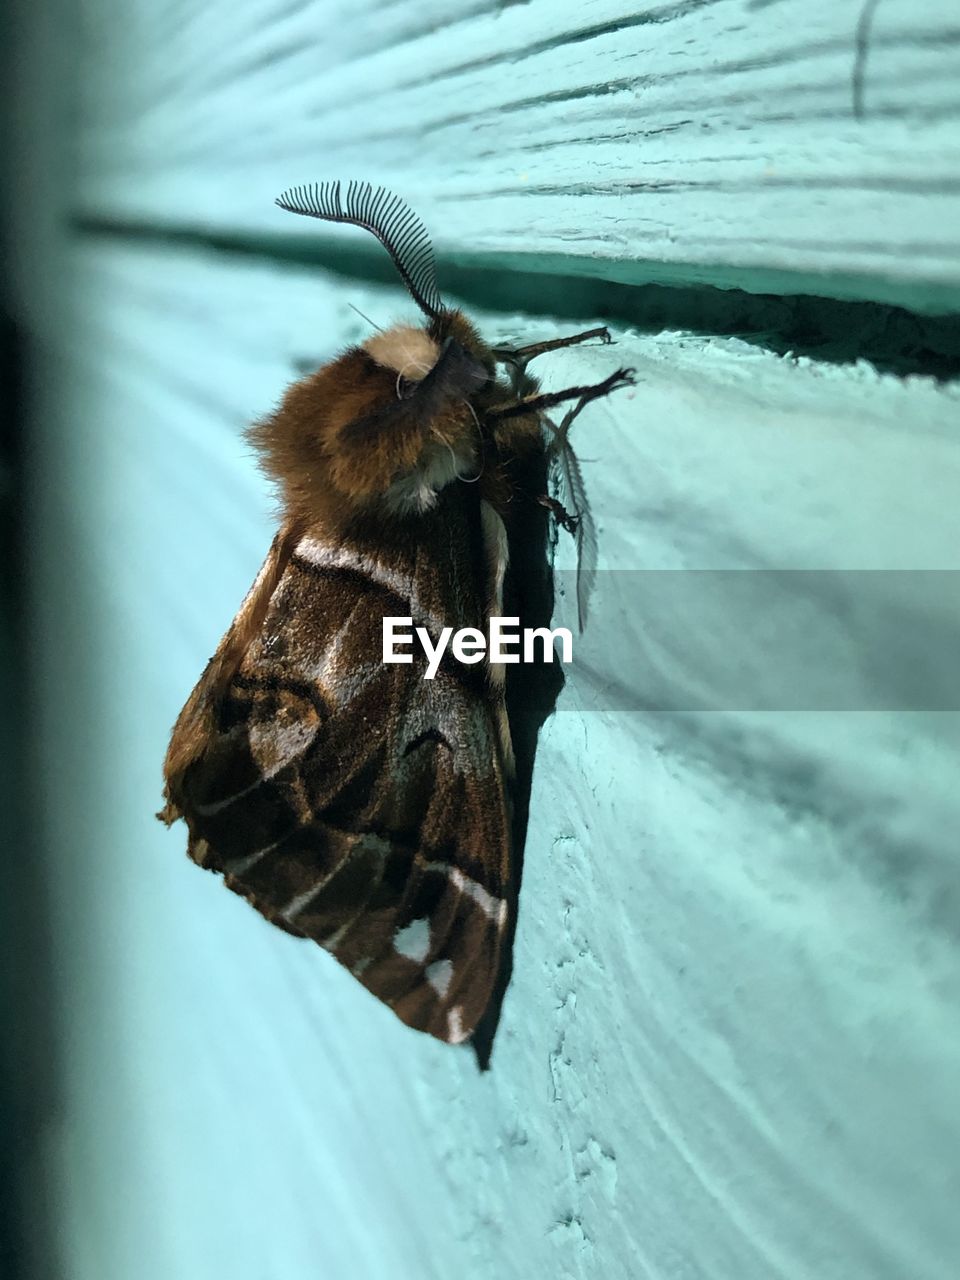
(353, 802)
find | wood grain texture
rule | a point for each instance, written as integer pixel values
(763, 144)
(732, 1045)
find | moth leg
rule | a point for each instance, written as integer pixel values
(538, 403)
(558, 446)
(521, 355)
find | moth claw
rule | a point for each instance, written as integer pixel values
(567, 521)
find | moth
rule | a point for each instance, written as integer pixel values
(350, 801)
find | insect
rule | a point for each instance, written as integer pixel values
(353, 802)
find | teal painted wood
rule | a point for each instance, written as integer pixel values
(773, 146)
(731, 1049)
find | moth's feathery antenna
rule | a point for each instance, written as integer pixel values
(387, 217)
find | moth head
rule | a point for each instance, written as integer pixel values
(440, 366)
(448, 449)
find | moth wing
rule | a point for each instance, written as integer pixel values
(195, 728)
(356, 803)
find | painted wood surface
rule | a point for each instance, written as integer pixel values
(761, 144)
(731, 1046)
(731, 1049)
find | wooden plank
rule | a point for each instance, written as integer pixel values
(734, 1005)
(767, 146)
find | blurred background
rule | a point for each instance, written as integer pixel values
(731, 1046)
(26, 1075)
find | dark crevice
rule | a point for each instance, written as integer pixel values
(944, 37)
(29, 1062)
(787, 318)
(572, 36)
(861, 50)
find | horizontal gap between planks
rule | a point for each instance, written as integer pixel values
(801, 324)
